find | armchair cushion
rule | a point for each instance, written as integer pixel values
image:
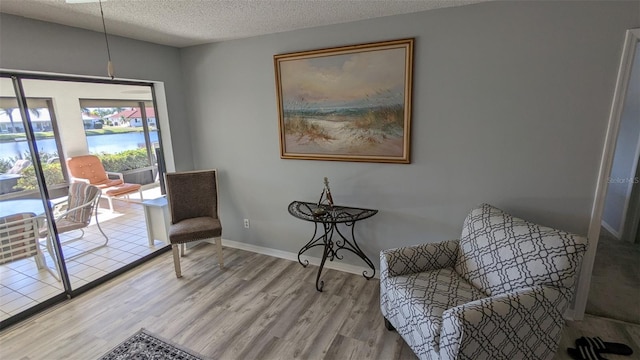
(499, 253)
(422, 298)
(187, 230)
(121, 189)
(418, 258)
(89, 167)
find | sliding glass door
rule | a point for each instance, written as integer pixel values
(72, 251)
(29, 272)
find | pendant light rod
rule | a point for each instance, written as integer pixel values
(106, 40)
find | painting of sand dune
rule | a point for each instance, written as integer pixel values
(350, 103)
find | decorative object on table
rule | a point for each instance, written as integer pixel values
(327, 192)
(589, 348)
(485, 296)
(350, 103)
(195, 209)
(325, 198)
(145, 345)
(329, 222)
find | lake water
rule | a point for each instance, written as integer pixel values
(111, 143)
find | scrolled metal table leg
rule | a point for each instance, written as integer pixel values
(353, 247)
(325, 254)
(308, 246)
(362, 255)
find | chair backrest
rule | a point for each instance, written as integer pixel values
(81, 194)
(500, 253)
(18, 166)
(18, 237)
(192, 194)
(87, 167)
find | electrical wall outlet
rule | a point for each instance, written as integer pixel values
(246, 223)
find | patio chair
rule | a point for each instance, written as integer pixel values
(19, 240)
(18, 166)
(75, 214)
(89, 169)
(193, 201)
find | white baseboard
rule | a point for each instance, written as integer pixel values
(570, 314)
(610, 229)
(335, 265)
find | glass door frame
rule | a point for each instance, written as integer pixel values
(68, 292)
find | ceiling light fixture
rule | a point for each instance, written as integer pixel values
(106, 40)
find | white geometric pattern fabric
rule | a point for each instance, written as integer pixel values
(523, 324)
(500, 253)
(425, 257)
(446, 304)
(425, 296)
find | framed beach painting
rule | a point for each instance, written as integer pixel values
(350, 103)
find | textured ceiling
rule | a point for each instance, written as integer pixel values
(183, 23)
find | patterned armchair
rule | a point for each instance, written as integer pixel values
(497, 293)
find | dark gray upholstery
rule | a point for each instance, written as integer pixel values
(192, 194)
(194, 229)
(193, 201)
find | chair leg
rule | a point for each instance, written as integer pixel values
(106, 239)
(184, 249)
(388, 325)
(176, 259)
(219, 251)
(110, 199)
(53, 258)
(40, 262)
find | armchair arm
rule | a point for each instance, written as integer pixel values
(80, 180)
(64, 211)
(522, 324)
(418, 258)
(59, 205)
(119, 175)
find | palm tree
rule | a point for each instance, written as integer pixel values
(9, 113)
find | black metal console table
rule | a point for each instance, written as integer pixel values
(329, 216)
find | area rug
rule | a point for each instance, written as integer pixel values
(145, 345)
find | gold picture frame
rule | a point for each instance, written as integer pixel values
(349, 103)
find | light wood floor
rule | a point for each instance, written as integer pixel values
(259, 307)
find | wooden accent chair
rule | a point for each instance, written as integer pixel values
(194, 205)
(75, 214)
(89, 169)
(19, 240)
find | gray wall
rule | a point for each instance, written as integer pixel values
(625, 157)
(32, 45)
(510, 107)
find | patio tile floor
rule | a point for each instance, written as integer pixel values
(22, 285)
